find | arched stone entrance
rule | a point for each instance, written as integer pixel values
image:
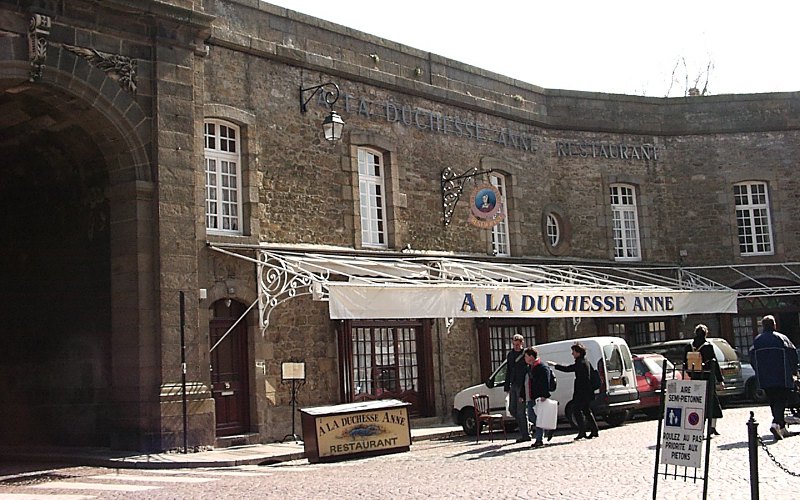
(76, 263)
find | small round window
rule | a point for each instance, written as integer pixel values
(553, 230)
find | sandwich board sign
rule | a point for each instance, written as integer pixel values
(684, 422)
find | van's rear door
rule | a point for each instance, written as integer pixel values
(619, 376)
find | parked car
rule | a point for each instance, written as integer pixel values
(752, 390)
(729, 363)
(649, 372)
(616, 397)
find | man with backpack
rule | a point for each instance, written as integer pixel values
(516, 369)
(538, 384)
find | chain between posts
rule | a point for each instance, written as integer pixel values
(772, 457)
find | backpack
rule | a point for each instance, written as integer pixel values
(552, 382)
(694, 360)
(594, 377)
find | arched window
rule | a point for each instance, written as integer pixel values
(625, 223)
(500, 239)
(223, 177)
(372, 196)
(553, 230)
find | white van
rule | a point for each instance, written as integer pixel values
(613, 401)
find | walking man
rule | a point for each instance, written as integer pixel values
(514, 386)
(774, 359)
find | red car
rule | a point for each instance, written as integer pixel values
(648, 381)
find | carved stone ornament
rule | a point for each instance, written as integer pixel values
(38, 31)
(120, 68)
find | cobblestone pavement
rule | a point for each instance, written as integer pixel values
(619, 465)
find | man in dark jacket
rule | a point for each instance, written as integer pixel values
(774, 358)
(514, 385)
(582, 394)
(537, 385)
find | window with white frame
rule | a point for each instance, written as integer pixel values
(752, 218)
(625, 222)
(500, 230)
(372, 195)
(553, 230)
(223, 177)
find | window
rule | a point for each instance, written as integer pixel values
(744, 331)
(223, 177)
(500, 341)
(553, 230)
(387, 360)
(500, 230)
(372, 195)
(625, 224)
(639, 333)
(752, 218)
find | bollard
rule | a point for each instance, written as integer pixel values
(752, 448)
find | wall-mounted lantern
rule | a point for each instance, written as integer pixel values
(333, 124)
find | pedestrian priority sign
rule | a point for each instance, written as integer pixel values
(684, 420)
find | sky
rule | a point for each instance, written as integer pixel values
(654, 48)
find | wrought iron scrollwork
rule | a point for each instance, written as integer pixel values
(452, 187)
(279, 281)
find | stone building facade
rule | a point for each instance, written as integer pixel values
(157, 157)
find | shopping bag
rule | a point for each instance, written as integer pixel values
(546, 413)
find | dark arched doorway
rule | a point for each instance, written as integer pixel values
(55, 266)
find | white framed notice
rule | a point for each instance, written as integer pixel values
(293, 371)
(684, 421)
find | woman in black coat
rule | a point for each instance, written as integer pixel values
(583, 394)
(706, 350)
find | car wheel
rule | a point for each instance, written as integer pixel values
(754, 392)
(617, 418)
(569, 413)
(468, 422)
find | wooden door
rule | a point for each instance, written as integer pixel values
(229, 374)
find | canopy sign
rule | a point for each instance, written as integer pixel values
(352, 301)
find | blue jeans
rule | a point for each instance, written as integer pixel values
(517, 410)
(532, 419)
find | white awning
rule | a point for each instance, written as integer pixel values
(349, 301)
(426, 285)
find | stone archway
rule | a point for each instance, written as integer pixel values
(76, 261)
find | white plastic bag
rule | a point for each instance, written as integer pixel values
(546, 413)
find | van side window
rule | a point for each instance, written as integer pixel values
(499, 377)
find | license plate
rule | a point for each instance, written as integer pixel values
(729, 371)
(616, 381)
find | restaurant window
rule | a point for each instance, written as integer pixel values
(639, 332)
(752, 218)
(223, 177)
(387, 360)
(500, 243)
(625, 223)
(745, 329)
(372, 196)
(494, 340)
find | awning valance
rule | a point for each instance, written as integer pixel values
(417, 285)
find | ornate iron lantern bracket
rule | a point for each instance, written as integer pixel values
(452, 187)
